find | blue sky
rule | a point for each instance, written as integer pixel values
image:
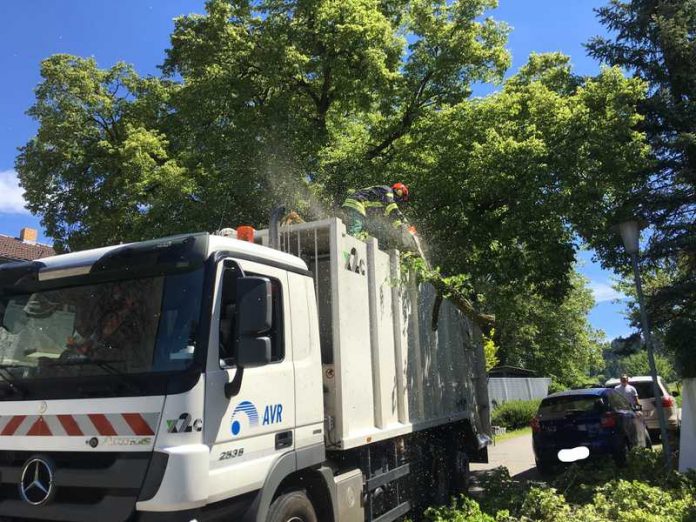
(137, 31)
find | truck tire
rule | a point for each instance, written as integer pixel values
(461, 473)
(292, 507)
(440, 479)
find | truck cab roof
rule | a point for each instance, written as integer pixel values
(254, 251)
(197, 245)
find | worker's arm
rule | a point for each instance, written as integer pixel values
(392, 212)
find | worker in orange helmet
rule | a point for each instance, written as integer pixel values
(374, 204)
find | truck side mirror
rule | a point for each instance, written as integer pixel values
(254, 321)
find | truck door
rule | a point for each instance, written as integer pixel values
(250, 427)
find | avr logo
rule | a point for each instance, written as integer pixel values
(272, 414)
(247, 409)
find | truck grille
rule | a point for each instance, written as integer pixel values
(88, 486)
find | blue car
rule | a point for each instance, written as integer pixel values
(598, 419)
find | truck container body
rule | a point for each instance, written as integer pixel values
(200, 377)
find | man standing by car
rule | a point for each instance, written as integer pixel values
(627, 390)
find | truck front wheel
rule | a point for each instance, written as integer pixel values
(292, 507)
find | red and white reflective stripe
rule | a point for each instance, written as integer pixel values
(87, 425)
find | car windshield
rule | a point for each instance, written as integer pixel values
(570, 403)
(127, 326)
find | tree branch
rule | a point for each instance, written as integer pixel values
(103, 125)
(485, 321)
(407, 119)
(325, 101)
(303, 85)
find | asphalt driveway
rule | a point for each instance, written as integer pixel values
(515, 454)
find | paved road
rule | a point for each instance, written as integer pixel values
(515, 454)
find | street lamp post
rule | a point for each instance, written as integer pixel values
(630, 234)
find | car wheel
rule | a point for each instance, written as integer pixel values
(648, 440)
(292, 507)
(544, 467)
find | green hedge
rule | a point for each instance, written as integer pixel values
(514, 415)
(585, 492)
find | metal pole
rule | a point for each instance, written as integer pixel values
(274, 227)
(651, 361)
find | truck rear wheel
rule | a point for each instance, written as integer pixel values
(440, 479)
(461, 473)
(292, 507)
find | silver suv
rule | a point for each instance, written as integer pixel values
(646, 397)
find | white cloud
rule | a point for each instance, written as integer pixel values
(604, 292)
(11, 194)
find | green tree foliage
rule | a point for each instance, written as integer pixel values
(268, 101)
(500, 182)
(680, 339)
(628, 355)
(98, 171)
(637, 364)
(672, 326)
(654, 40)
(552, 337)
(671, 333)
(279, 93)
(490, 351)
(294, 102)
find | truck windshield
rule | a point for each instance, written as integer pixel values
(127, 326)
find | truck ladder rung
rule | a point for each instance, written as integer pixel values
(385, 478)
(395, 513)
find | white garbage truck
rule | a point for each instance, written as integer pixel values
(300, 376)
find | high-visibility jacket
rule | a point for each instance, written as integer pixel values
(375, 200)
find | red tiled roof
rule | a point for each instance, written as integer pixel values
(14, 249)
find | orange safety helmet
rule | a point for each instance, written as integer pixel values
(401, 191)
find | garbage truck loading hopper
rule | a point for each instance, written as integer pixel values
(386, 371)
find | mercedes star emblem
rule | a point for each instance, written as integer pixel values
(36, 486)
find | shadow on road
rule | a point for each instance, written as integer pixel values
(529, 474)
